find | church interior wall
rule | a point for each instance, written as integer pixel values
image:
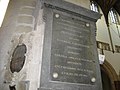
(103, 35)
(22, 25)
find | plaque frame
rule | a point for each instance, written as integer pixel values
(49, 7)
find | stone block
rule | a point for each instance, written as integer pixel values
(31, 3)
(27, 10)
(22, 28)
(25, 19)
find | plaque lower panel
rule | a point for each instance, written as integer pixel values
(72, 59)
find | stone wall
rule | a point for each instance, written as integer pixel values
(22, 24)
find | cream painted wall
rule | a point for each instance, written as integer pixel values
(113, 59)
(102, 35)
(102, 32)
(83, 3)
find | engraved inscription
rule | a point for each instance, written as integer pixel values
(71, 54)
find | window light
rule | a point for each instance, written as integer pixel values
(3, 7)
(113, 16)
(94, 6)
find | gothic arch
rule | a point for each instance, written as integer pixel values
(107, 67)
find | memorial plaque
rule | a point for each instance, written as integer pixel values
(70, 60)
(71, 53)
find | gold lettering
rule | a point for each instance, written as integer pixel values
(80, 27)
(74, 63)
(76, 44)
(75, 48)
(72, 34)
(75, 53)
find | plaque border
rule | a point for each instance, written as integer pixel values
(45, 81)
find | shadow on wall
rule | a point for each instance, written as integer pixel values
(12, 87)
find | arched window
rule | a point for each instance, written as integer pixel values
(114, 16)
(94, 6)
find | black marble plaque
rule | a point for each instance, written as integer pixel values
(72, 59)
